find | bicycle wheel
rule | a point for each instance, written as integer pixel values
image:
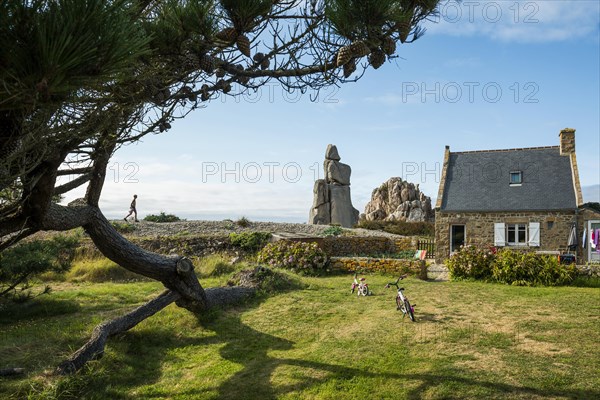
(409, 310)
(400, 305)
(364, 290)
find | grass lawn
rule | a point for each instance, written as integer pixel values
(471, 340)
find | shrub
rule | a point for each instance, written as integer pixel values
(243, 222)
(19, 264)
(123, 227)
(526, 269)
(470, 262)
(510, 266)
(400, 227)
(299, 257)
(162, 217)
(250, 241)
(333, 230)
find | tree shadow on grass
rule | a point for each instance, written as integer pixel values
(429, 381)
(251, 349)
(139, 358)
(11, 313)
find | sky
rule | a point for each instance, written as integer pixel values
(486, 75)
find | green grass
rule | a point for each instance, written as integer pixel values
(471, 340)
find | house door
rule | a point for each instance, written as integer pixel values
(593, 254)
(457, 237)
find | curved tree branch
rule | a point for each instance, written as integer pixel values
(75, 183)
(93, 349)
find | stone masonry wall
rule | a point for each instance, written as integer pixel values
(385, 265)
(554, 228)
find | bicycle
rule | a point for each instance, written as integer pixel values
(361, 286)
(402, 302)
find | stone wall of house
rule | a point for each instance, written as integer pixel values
(555, 227)
(384, 265)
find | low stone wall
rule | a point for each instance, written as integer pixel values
(184, 246)
(406, 243)
(387, 265)
(351, 246)
(341, 246)
(591, 270)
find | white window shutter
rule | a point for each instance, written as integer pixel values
(499, 234)
(534, 234)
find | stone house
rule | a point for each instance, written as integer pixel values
(528, 198)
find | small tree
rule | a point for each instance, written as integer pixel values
(21, 263)
(80, 78)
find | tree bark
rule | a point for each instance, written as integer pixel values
(94, 348)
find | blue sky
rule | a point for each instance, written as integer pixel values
(488, 75)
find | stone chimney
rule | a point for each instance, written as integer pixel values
(567, 141)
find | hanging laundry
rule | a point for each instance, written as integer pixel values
(583, 238)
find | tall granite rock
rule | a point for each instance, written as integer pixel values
(398, 200)
(332, 203)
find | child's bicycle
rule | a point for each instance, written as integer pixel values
(360, 286)
(402, 302)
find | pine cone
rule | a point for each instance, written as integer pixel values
(243, 45)
(388, 46)
(349, 68)
(258, 57)
(404, 30)
(204, 96)
(344, 55)
(377, 58)
(226, 87)
(360, 49)
(265, 63)
(207, 64)
(220, 73)
(227, 36)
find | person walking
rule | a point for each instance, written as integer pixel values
(133, 209)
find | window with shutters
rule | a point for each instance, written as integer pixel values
(516, 234)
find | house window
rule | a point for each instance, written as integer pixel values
(516, 234)
(516, 177)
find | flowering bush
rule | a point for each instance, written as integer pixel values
(526, 269)
(301, 257)
(250, 241)
(471, 262)
(509, 266)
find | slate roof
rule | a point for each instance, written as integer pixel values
(479, 181)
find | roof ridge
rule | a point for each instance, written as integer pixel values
(506, 150)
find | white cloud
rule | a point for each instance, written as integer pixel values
(591, 193)
(178, 186)
(518, 21)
